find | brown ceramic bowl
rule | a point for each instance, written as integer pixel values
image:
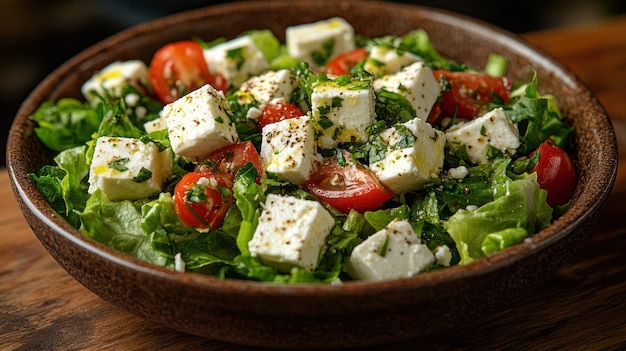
(319, 316)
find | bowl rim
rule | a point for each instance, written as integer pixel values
(560, 228)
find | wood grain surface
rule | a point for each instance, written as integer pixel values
(583, 307)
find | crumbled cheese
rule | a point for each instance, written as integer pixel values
(458, 172)
(443, 255)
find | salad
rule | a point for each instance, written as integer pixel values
(328, 158)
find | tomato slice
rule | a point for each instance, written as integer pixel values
(201, 200)
(277, 112)
(467, 92)
(179, 68)
(555, 173)
(229, 159)
(342, 63)
(347, 187)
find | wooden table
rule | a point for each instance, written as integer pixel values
(582, 307)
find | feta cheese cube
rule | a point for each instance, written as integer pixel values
(199, 123)
(342, 113)
(406, 166)
(315, 43)
(384, 60)
(236, 60)
(128, 169)
(291, 232)
(288, 149)
(416, 83)
(113, 77)
(271, 85)
(391, 253)
(156, 124)
(493, 129)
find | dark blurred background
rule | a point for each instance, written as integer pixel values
(36, 36)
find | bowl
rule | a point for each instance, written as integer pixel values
(311, 316)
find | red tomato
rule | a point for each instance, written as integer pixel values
(467, 93)
(555, 173)
(229, 159)
(342, 63)
(179, 68)
(347, 187)
(273, 113)
(200, 200)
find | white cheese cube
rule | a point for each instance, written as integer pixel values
(416, 83)
(384, 60)
(391, 253)
(128, 169)
(199, 123)
(288, 149)
(113, 77)
(291, 232)
(156, 124)
(493, 129)
(342, 113)
(236, 60)
(315, 43)
(410, 168)
(270, 85)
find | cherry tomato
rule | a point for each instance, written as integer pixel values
(229, 159)
(347, 187)
(555, 173)
(342, 63)
(179, 68)
(467, 92)
(277, 112)
(201, 200)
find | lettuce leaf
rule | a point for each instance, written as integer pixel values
(118, 226)
(248, 197)
(518, 211)
(66, 124)
(538, 118)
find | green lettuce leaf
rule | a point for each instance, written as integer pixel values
(538, 118)
(66, 124)
(520, 206)
(248, 197)
(65, 185)
(118, 225)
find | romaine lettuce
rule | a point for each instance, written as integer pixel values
(519, 207)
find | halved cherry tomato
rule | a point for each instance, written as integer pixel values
(277, 112)
(179, 68)
(201, 200)
(347, 187)
(342, 63)
(555, 173)
(467, 92)
(229, 159)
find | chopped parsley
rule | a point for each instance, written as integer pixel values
(119, 164)
(143, 175)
